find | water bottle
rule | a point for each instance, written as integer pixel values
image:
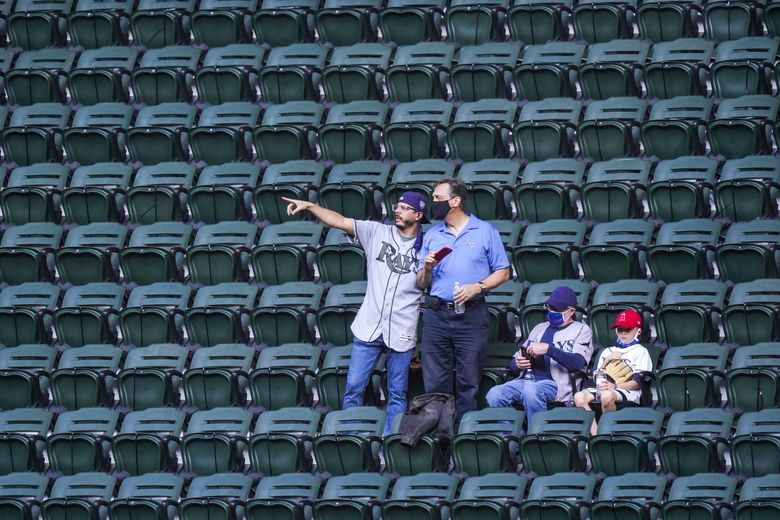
(460, 308)
(599, 377)
(527, 372)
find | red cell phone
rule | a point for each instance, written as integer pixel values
(441, 253)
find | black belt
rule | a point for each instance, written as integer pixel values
(436, 303)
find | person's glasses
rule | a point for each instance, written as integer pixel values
(554, 309)
(403, 207)
(623, 329)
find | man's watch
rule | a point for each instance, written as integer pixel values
(482, 286)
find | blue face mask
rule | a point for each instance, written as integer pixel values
(555, 318)
(627, 344)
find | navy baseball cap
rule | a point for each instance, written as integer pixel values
(415, 200)
(562, 298)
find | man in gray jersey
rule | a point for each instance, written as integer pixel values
(387, 320)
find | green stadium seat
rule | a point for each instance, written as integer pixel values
(151, 376)
(625, 441)
(689, 312)
(728, 21)
(555, 441)
(417, 130)
(743, 67)
(747, 188)
(430, 454)
(356, 72)
(223, 192)
(357, 495)
(219, 314)
(293, 179)
(154, 495)
(21, 494)
(224, 133)
(96, 193)
(548, 69)
(538, 23)
(490, 183)
(772, 18)
(288, 131)
(102, 75)
(88, 314)
(355, 189)
(564, 495)
(91, 253)
(751, 314)
(418, 176)
(420, 71)
(285, 252)
(549, 189)
(613, 69)
(217, 496)
(335, 316)
(612, 298)
(24, 375)
(684, 250)
(690, 376)
(285, 313)
(293, 73)
(27, 253)
(352, 131)
(166, 75)
(610, 128)
(79, 497)
(664, 20)
(481, 130)
(752, 380)
(676, 127)
(85, 377)
(758, 498)
(281, 443)
(23, 435)
(220, 253)
(332, 378)
(503, 304)
(33, 135)
(701, 495)
(33, 194)
(160, 133)
(155, 253)
(549, 251)
(94, 24)
(748, 251)
(284, 376)
(39, 77)
(221, 22)
(159, 23)
(742, 126)
(159, 192)
(617, 250)
(340, 260)
(425, 496)
(26, 313)
(474, 22)
(218, 376)
(630, 495)
(616, 189)
(407, 22)
(148, 440)
(36, 25)
(678, 68)
(80, 442)
(695, 442)
(681, 188)
(546, 129)
(484, 70)
(487, 441)
(284, 22)
(346, 22)
(285, 497)
(532, 312)
(350, 440)
(153, 314)
(601, 21)
(229, 73)
(215, 440)
(755, 450)
(489, 496)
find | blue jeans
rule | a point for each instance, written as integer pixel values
(361, 367)
(533, 394)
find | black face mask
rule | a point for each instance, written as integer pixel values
(440, 208)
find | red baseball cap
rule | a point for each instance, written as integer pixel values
(627, 319)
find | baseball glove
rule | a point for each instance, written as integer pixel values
(618, 371)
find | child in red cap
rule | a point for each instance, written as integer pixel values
(628, 325)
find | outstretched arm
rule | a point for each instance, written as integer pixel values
(326, 216)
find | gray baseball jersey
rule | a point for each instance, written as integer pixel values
(391, 307)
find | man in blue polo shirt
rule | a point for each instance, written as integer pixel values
(456, 338)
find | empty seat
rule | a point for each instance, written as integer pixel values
(699, 495)
(102, 75)
(284, 496)
(221, 495)
(21, 493)
(406, 22)
(160, 133)
(284, 22)
(747, 188)
(356, 72)
(728, 21)
(750, 316)
(293, 73)
(25, 313)
(229, 73)
(755, 450)
(676, 127)
(33, 134)
(91, 253)
(555, 440)
(752, 380)
(282, 441)
(151, 494)
(80, 441)
(222, 22)
(218, 375)
(629, 495)
(223, 193)
(356, 493)
(609, 128)
(292, 179)
(549, 189)
(613, 69)
(96, 193)
(604, 20)
(490, 183)
(743, 67)
(158, 23)
(690, 376)
(340, 260)
(218, 314)
(748, 251)
(758, 496)
(695, 442)
(489, 495)
(483, 71)
(335, 316)
(95, 23)
(37, 25)
(615, 250)
(624, 441)
(88, 314)
(682, 188)
(39, 76)
(166, 75)
(155, 253)
(288, 131)
(616, 189)
(563, 495)
(159, 192)
(740, 126)
(151, 376)
(678, 68)
(420, 71)
(549, 250)
(86, 376)
(220, 253)
(689, 312)
(355, 189)
(417, 130)
(481, 130)
(662, 21)
(285, 252)
(215, 441)
(547, 69)
(22, 437)
(148, 441)
(223, 133)
(284, 375)
(684, 250)
(153, 314)
(421, 496)
(350, 440)
(352, 131)
(27, 253)
(24, 374)
(84, 495)
(33, 194)
(346, 22)
(546, 129)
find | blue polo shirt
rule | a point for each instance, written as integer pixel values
(476, 252)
